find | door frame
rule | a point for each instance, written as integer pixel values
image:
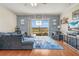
(40, 19)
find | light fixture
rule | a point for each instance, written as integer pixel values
(33, 4)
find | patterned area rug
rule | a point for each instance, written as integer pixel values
(45, 42)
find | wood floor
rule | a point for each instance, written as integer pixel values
(68, 51)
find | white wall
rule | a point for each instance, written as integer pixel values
(68, 14)
(7, 20)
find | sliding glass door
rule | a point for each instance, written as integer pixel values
(40, 27)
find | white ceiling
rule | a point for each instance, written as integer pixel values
(41, 8)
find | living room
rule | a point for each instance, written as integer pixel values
(16, 32)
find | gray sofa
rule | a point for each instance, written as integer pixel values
(14, 41)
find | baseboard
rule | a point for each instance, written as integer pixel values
(72, 47)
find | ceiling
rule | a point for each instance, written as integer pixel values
(41, 8)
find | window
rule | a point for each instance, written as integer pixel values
(40, 23)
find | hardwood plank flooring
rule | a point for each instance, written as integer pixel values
(68, 51)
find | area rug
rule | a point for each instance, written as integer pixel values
(45, 42)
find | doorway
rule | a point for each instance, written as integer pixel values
(40, 27)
